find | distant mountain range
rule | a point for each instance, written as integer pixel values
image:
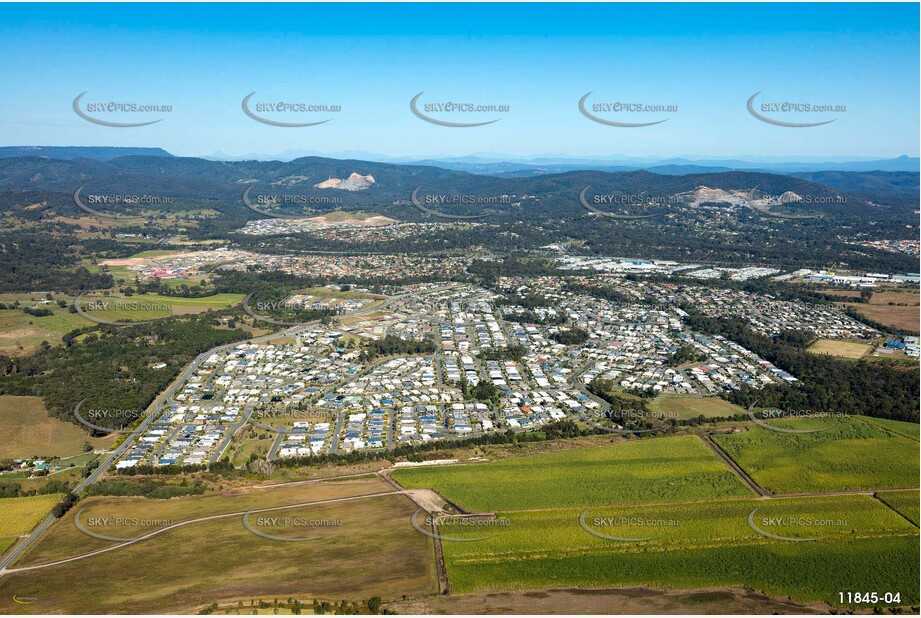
(98, 153)
(119, 170)
(516, 166)
(678, 166)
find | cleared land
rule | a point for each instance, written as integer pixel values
(374, 551)
(64, 540)
(28, 431)
(728, 601)
(692, 407)
(842, 349)
(895, 316)
(848, 454)
(664, 469)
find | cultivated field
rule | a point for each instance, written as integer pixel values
(663, 469)
(373, 551)
(28, 431)
(840, 348)
(850, 453)
(698, 545)
(692, 407)
(909, 430)
(905, 502)
(18, 516)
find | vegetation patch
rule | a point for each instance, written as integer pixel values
(848, 453)
(661, 469)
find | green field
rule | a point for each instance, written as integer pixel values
(21, 333)
(695, 545)
(850, 453)
(152, 306)
(651, 470)
(905, 502)
(692, 407)
(909, 430)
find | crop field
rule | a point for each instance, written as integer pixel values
(692, 407)
(372, 551)
(654, 470)
(909, 430)
(27, 431)
(19, 515)
(849, 453)
(905, 502)
(694, 545)
(841, 349)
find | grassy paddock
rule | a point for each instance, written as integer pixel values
(843, 349)
(27, 430)
(691, 407)
(374, 552)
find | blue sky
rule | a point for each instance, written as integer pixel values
(538, 59)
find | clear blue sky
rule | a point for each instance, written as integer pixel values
(538, 59)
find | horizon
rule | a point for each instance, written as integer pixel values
(693, 67)
(490, 157)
